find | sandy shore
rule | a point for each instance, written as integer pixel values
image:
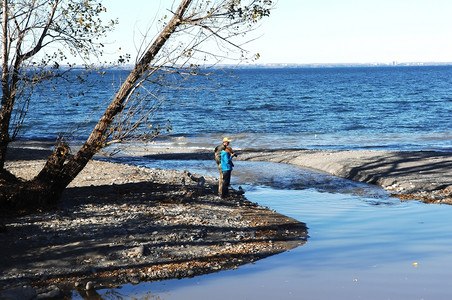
(121, 224)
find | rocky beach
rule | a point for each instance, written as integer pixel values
(121, 224)
(125, 224)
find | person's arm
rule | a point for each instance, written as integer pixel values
(230, 159)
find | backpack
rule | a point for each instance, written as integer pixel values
(218, 150)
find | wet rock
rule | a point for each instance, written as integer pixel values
(137, 251)
(89, 286)
(51, 292)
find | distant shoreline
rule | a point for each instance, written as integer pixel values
(345, 65)
(292, 65)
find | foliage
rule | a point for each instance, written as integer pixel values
(212, 32)
(45, 33)
(40, 40)
(39, 35)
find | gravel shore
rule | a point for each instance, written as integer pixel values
(121, 224)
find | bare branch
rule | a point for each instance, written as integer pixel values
(39, 45)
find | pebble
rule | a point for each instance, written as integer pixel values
(89, 285)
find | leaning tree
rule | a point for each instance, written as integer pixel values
(197, 32)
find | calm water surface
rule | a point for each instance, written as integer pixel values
(363, 244)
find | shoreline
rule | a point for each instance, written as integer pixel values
(119, 224)
(408, 175)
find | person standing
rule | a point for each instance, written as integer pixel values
(226, 168)
(218, 150)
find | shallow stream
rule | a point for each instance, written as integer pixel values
(363, 244)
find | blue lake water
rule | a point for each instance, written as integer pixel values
(363, 244)
(324, 108)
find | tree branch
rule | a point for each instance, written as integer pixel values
(96, 140)
(39, 45)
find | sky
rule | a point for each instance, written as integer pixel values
(322, 31)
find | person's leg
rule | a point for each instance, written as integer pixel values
(220, 181)
(226, 182)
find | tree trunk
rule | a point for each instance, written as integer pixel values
(46, 188)
(5, 113)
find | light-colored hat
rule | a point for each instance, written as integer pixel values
(226, 139)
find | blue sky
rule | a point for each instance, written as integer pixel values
(323, 31)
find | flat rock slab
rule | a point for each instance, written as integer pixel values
(426, 175)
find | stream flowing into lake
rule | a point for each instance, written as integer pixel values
(363, 244)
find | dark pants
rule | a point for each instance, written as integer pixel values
(226, 182)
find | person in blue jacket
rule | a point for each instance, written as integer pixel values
(218, 150)
(226, 169)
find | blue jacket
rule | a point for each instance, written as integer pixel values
(226, 161)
